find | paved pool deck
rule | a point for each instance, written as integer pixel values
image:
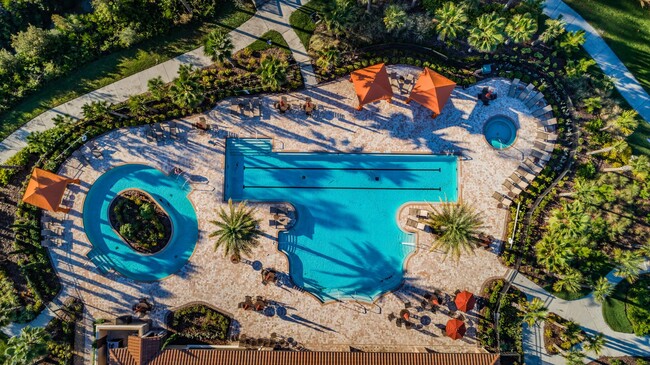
(209, 277)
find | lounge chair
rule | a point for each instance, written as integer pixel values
(413, 223)
(540, 155)
(535, 98)
(532, 166)
(525, 174)
(515, 178)
(173, 130)
(235, 108)
(513, 87)
(420, 213)
(543, 146)
(547, 137)
(524, 93)
(542, 111)
(158, 132)
(510, 186)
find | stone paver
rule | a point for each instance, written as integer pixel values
(380, 127)
(624, 81)
(588, 314)
(273, 14)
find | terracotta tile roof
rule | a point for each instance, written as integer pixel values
(139, 351)
(225, 357)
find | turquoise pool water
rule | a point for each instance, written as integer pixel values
(111, 252)
(500, 132)
(346, 243)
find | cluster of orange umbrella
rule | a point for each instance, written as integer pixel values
(465, 301)
(431, 90)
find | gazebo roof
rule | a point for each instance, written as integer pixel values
(432, 90)
(45, 190)
(371, 84)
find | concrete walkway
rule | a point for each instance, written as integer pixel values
(270, 15)
(587, 313)
(624, 81)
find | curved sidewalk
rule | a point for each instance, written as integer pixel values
(611, 65)
(270, 15)
(587, 313)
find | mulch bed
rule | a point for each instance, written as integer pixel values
(627, 360)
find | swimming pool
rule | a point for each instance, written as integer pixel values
(500, 132)
(111, 252)
(346, 243)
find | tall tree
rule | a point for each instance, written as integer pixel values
(534, 312)
(186, 90)
(570, 282)
(629, 264)
(450, 20)
(218, 46)
(602, 290)
(553, 253)
(27, 348)
(624, 124)
(96, 110)
(638, 165)
(574, 357)
(488, 33)
(273, 72)
(521, 28)
(456, 227)
(157, 88)
(617, 148)
(596, 343)
(394, 18)
(237, 230)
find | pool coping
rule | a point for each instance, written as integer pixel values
(513, 141)
(406, 261)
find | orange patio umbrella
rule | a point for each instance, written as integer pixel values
(45, 190)
(455, 329)
(432, 90)
(465, 301)
(371, 84)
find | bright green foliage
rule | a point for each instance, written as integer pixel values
(450, 20)
(575, 70)
(521, 28)
(553, 253)
(218, 46)
(186, 90)
(625, 123)
(572, 40)
(574, 357)
(534, 312)
(328, 57)
(638, 306)
(603, 289)
(554, 29)
(570, 282)
(596, 343)
(488, 33)
(629, 264)
(394, 18)
(456, 227)
(237, 230)
(273, 72)
(157, 88)
(27, 348)
(592, 104)
(96, 110)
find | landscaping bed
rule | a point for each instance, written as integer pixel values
(510, 318)
(140, 221)
(624, 360)
(560, 333)
(62, 332)
(198, 324)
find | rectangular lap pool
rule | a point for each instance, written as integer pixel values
(346, 242)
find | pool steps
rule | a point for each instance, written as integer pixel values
(103, 263)
(248, 147)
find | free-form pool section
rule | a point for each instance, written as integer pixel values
(500, 132)
(346, 242)
(111, 252)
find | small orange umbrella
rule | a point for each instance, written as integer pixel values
(405, 314)
(465, 301)
(455, 329)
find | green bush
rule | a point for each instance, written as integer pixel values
(200, 323)
(638, 307)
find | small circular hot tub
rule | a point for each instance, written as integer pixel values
(500, 132)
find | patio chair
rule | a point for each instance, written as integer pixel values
(513, 87)
(542, 111)
(173, 129)
(420, 213)
(158, 132)
(510, 186)
(515, 178)
(534, 100)
(498, 196)
(532, 166)
(546, 137)
(543, 146)
(235, 108)
(412, 223)
(96, 151)
(525, 174)
(257, 108)
(524, 93)
(542, 156)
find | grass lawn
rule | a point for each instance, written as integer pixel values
(301, 21)
(119, 65)
(625, 26)
(276, 41)
(614, 309)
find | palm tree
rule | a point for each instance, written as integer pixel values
(554, 29)
(573, 40)
(218, 46)
(574, 357)
(27, 348)
(602, 289)
(450, 20)
(157, 88)
(137, 105)
(629, 264)
(625, 123)
(237, 230)
(273, 72)
(592, 104)
(534, 312)
(617, 148)
(456, 227)
(570, 221)
(596, 343)
(570, 282)
(337, 18)
(328, 57)
(488, 33)
(186, 90)
(553, 253)
(394, 18)
(638, 165)
(97, 110)
(521, 28)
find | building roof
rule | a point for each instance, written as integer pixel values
(432, 90)
(371, 84)
(45, 190)
(121, 356)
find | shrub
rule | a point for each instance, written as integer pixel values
(200, 323)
